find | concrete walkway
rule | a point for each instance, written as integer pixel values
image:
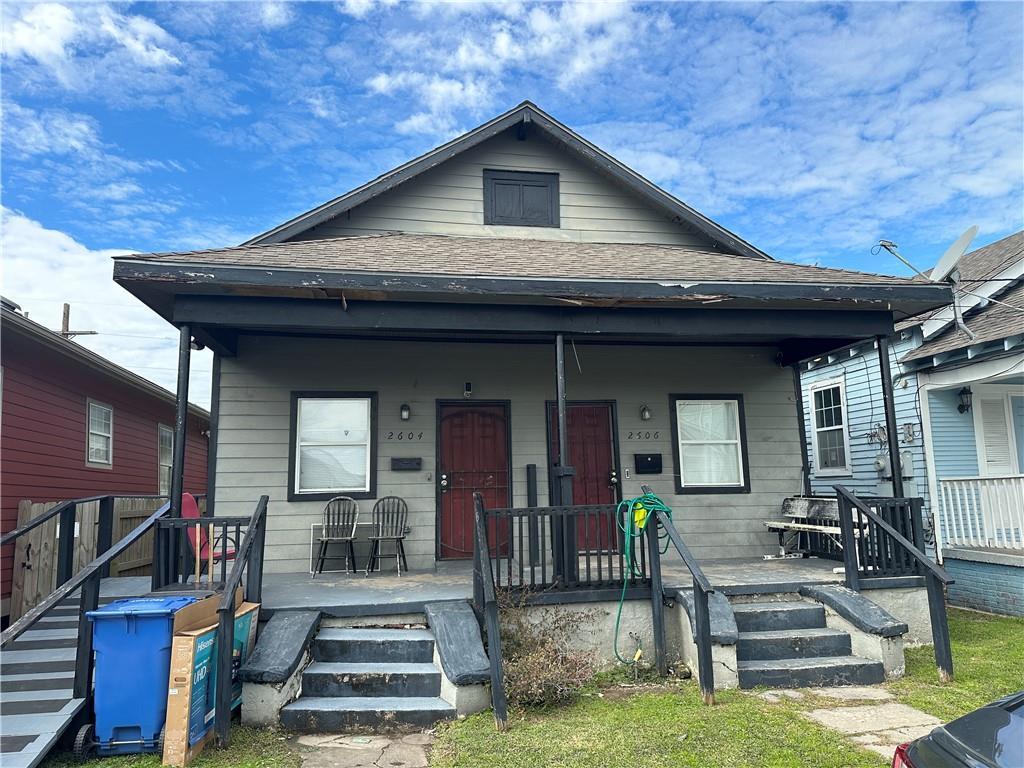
(867, 716)
(395, 751)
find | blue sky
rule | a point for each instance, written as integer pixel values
(811, 130)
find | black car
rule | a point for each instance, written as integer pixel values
(990, 737)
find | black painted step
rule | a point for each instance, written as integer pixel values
(325, 678)
(792, 644)
(393, 646)
(771, 616)
(337, 714)
(813, 672)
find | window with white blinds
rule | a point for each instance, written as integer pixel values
(332, 445)
(995, 446)
(99, 449)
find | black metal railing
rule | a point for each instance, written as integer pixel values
(248, 562)
(701, 590)
(88, 580)
(877, 547)
(485, 603)
(189, 549)
(540, 550)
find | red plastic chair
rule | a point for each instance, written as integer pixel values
(200, 540)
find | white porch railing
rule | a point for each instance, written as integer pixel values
(982, 511)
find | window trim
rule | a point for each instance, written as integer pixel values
(159, 466)
(293, 493)
(89, 403)
(992, 392)
(847, 469)
(744, 485)
(490, 175)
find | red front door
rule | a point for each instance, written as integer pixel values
(472, 457)
(592, 454)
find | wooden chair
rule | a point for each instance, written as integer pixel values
(390, 518)
(341, 516)
(199, 537)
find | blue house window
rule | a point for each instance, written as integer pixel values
(830, 435)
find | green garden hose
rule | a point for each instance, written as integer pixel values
(632, 516)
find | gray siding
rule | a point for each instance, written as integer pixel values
(448, 200)
(253, 430)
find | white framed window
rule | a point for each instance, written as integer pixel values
(710, 437)
(333, 445)
(829, 433)
(99, 449)
(994, 436)
(164, 457)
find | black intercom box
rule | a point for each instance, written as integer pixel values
(647, 463)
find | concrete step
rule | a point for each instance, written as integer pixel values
(792, 644)
(381, 646)
(812, 672)
(770, 616)
(338, 714)
(324, 678)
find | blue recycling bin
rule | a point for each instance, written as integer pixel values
(132, 642)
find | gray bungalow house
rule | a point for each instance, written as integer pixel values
(519, 315)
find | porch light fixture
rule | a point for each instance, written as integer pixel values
(645, 413)
(964, 396)
(404, 412)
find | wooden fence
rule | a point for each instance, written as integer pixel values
(35, 553)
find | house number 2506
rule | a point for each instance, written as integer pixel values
(643, 435)
(403, 436)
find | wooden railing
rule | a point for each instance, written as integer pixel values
(88, 580)
(873, 548)
(248, 562)
(544, 550)
(701, 590)
(485, 603)
(982, 512)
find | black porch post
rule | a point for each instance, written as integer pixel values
(889, 399)
(172, 542)
(565, 533)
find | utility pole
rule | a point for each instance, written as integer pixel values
(65, 325)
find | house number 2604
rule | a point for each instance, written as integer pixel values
(643, 435)
(391, 435)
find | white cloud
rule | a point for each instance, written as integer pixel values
(274, 15)
(42, 268)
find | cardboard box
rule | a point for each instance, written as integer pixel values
(191, 694)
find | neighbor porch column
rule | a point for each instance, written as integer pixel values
(889, 400)
(565, 530)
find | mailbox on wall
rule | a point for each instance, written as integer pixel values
(647, 463)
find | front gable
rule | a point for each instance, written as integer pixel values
(592, 196)
(450, 199)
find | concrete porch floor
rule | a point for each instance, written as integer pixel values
(347, 595)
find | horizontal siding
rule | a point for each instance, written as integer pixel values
(43, 435)
(448, 199)
(252, 450)
(1017, 411)
(865, 410)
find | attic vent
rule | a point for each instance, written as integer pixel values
(520, 198)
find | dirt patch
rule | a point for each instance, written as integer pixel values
(620, 692)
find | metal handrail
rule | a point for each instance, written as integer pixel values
(935, 576)
(248, 559)
(487, 602)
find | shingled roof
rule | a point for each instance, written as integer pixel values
(989, 324)
(443, 255)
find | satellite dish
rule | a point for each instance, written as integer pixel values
(949, 260)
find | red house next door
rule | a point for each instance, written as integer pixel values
(591, 428)
(472, 456)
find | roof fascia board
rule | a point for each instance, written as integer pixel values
(131, 270)
(525, 112)
(992, 286)
(30, 329)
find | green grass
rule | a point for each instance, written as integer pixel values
(654, 728)
(250, 748)
(988, 662)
